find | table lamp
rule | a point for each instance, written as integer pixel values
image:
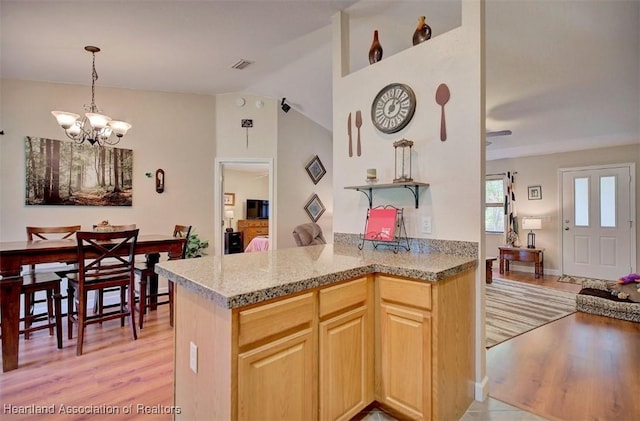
(531, 224)
(229, 215)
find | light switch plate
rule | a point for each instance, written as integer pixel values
(193, 357)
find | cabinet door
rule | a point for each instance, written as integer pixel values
(405, 348)
(275, 381)
(345, 365)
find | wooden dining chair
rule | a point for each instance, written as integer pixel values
(145, 272)
(98, 302)
(50, 284)
(105, 260)
(38, 279)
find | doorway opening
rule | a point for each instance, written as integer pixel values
(245, 193)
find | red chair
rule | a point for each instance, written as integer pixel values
(113, 267)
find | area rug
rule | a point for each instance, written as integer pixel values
(513, 308)
(576, 279)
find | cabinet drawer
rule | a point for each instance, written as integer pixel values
(341, 296)
(270, 319)
(412, 293)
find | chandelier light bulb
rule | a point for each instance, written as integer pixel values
(65, 119)
(98, 121)
(75, 130)
(120, 128)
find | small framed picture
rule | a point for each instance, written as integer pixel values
(315, 169)
(229, 199)
(314, 208)
(535, 192)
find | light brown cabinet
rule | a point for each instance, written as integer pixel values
(251, 228)
(346, 341)
(330, 351)
(276, 343)
(405, 347)
(275, 381)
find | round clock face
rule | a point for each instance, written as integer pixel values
(393, 108)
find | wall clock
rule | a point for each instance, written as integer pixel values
(393, 108)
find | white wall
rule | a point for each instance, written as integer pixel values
(232, 137)
(175, 132)
(543, 171)
(299, 140)
(453, 168)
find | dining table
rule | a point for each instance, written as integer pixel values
(15, 254)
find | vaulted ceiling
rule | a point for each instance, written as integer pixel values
(562, 75)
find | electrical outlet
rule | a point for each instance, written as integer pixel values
(193, 357)
(426, 225)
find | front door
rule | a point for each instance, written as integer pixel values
(597, 240)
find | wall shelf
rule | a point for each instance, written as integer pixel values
(367, 189)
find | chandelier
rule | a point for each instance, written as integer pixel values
(94, 127)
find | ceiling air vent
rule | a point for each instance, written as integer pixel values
(241, 64)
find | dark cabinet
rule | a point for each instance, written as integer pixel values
(232, 242)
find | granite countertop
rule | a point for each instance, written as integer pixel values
(236, 280)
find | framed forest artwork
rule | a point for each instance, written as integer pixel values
(67, 173)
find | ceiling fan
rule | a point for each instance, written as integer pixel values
(496, 134)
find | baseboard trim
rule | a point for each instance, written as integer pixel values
(482, 389)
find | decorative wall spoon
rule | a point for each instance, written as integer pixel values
(442, 97)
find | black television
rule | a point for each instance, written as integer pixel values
(257, 209)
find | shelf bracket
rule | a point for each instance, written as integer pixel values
(369, 195)
(416, 192)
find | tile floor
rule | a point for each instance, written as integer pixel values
(489, 410)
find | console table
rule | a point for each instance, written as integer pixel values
(518, 254)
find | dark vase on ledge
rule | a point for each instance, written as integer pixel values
(375, 52)
(422, 32)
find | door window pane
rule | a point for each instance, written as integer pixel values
(608, 201)
(581, 201)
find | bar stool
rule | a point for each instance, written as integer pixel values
(50, 284)
(30, 300)
(149, 296)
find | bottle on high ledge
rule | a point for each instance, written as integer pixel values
(375, 52)
(422, 32)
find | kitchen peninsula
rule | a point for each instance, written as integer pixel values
(320, 332)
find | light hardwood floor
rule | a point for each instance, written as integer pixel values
(115, 372)
(581, 367)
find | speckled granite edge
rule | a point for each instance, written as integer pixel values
(303, 285)
(422, 275)
(267, 293)
(418, 245)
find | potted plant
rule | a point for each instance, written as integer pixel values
(195, 246)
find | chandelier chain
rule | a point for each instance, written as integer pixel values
(94, 77)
